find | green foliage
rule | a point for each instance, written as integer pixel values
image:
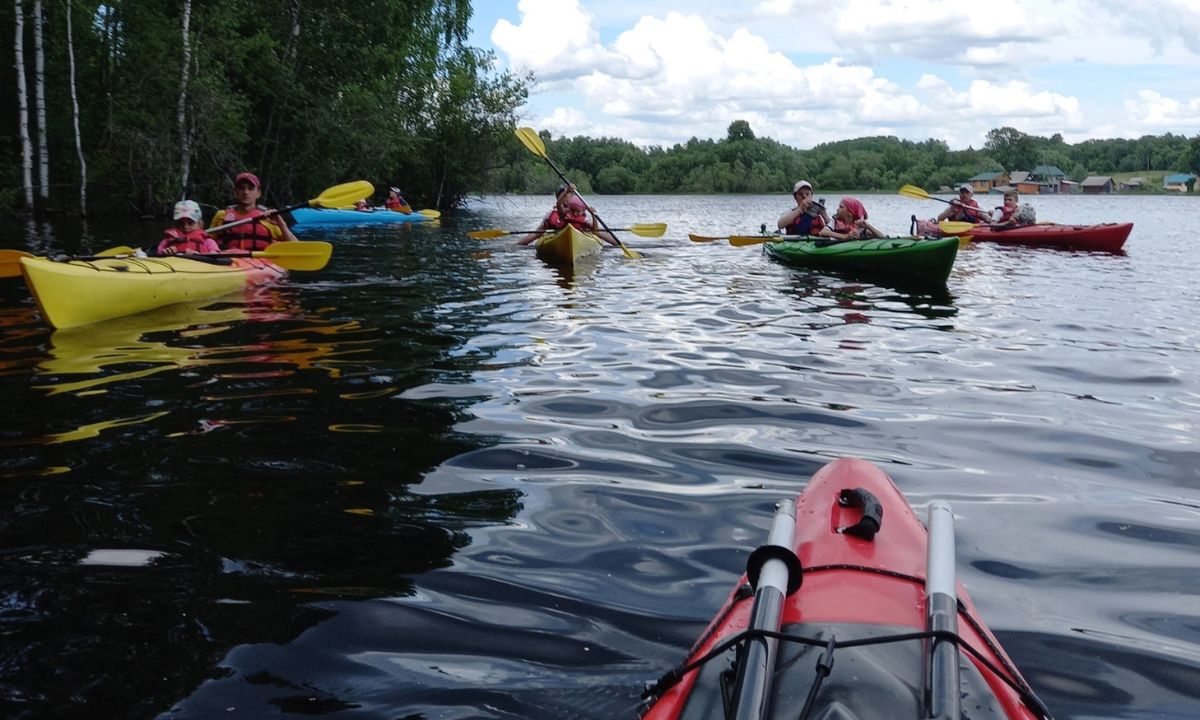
(305, 94)
(745, 163)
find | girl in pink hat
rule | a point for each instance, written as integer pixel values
(850, 222)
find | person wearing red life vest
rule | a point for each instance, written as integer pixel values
(964, 209)
(187, 236)
(267, 227)
(850, 222)
(808, 217)
(395, 201)
(569, 208)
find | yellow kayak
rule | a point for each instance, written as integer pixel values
(568, 246)
(70, 293)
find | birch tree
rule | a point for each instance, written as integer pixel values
(23, 104)
(185, 140)
(75, 115)
(39, 78)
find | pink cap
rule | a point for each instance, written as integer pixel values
(248, 177)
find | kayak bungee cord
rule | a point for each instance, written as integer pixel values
(674, 676)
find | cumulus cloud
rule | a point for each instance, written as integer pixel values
(671, 75)
(1167, 114)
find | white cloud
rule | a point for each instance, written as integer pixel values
(1151, 109)
(671, 75)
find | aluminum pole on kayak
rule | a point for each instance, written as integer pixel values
(774, 570)
(942, 698)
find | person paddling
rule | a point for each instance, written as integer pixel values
(187, 237)
(395, 201)
(808, 217)
(257, 235)
(569, 208)
(965, 208)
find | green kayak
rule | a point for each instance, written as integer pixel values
(916, 260)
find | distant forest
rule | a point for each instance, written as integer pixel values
(744, 163)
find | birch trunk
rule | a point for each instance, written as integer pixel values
(39, 63)
(75, 116)
(23, 104)
(185, 140)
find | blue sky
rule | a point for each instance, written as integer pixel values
(811, 71)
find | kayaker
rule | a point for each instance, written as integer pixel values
(808, 217)
(252, 235)
(1007, 214)
(569, 208)
(850, 222)
(395, 201)
(964, 209)
(187, 237)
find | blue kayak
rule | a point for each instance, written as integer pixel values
(313, 217)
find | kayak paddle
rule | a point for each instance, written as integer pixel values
(530, 139)
(307, 255)
(640, 229)
(955, 227)
(331, 197)
(10, 260)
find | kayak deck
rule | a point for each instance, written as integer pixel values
(568, 246)
(1109, 237)
(862, 593)
(314, 217)
(919, 260)
(71, 293)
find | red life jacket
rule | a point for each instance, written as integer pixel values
(963, 214)
(397, 204)
(196, 241)
(805, 224)
(250, 236)
(556, 221)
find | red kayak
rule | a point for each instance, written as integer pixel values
(850, 611)
(1109, 237)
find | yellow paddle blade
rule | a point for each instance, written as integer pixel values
(743, 240)
(10, 262)
(629, 253)
(530, 139)
(488, 234)
(306, 255)
(343, 195)
(648, 229)
(705, 238)
(955, 227)
(432, 214)
(913, 191)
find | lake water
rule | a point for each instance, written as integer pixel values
(440, 479)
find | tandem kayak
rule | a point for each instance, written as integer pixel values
(321, 217)
(77, 292)
(849, 611)
(568, 246)
(1109, 237)
(918, 260)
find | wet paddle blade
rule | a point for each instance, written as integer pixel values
(306, 255)
(913, 191)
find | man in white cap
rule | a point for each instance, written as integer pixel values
(808, 217)
(965, 209)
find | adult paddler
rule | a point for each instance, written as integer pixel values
(255, 235)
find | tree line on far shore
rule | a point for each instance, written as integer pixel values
(744, 163)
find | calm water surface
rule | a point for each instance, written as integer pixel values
(440, 479)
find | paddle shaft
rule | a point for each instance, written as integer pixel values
(756, 672)
(594, 214)
(941, 664)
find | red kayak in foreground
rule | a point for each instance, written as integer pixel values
(1109, 237)
(850, 611)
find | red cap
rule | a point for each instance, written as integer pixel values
(248, 177)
